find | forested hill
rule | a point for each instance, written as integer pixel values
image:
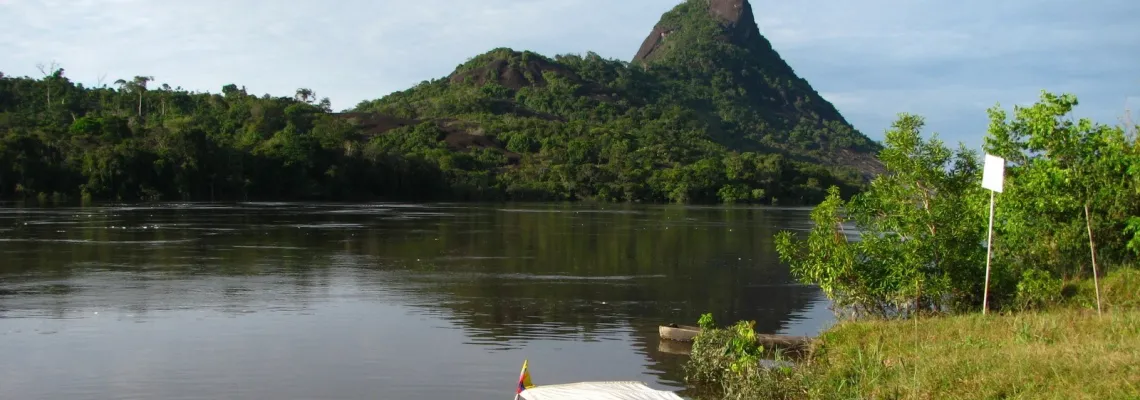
(706, 112)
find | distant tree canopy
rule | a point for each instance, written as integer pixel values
(598, 129)
(707, 122)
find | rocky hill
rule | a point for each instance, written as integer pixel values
(717, 43)
(705, 77)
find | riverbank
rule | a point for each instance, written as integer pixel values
(1064, 351)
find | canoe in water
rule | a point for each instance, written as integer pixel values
(685, 333)
(680, 333)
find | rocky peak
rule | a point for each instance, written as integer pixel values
(735, 18)
(731, 11)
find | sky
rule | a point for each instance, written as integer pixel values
(947, 61)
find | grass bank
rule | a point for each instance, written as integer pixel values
(1065, 351)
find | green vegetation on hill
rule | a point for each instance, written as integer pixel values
(710, 120)
(711, 56)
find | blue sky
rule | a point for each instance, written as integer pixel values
(945, 60)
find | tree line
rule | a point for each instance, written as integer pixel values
(604, 131)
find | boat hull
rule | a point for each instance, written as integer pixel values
(685, 333)
(679, 333)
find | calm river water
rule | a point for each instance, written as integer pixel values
(374, 301)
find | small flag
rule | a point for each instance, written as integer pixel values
(524, 380)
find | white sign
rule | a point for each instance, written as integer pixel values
(993, 175)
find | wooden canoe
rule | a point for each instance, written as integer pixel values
(685, 333)
(680, 333)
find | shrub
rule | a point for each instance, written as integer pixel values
(727, 363)
(1037, 289)
(919, 243)
(706, 321)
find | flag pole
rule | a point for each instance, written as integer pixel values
(989, 255)
(993, 178)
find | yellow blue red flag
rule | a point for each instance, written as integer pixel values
(524, 379)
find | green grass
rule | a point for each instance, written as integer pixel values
(1063, 352)
(1120, 290)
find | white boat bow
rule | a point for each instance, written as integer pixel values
(619, 390)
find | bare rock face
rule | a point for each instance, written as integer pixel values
(731, 11)
(651, 44)
(738, 18)
(735, 17)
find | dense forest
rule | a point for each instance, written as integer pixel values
(706, 112)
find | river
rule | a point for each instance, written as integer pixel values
(374, 301)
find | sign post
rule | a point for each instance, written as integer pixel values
(993, 176)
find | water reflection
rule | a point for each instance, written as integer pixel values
(374, 289)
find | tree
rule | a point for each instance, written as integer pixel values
(53, 73)
(1070, 182)
(137, 86)
(166, 89)
(305, 95)
(919, 246)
